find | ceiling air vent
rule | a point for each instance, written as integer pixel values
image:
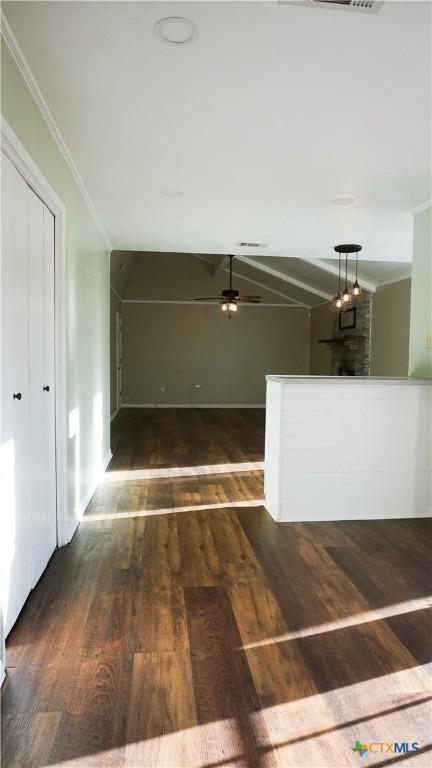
(244, 244)
(368, 6)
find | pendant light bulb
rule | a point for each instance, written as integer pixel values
(356, 290)
(346, 296)
(339, 302)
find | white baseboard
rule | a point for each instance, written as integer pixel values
(86, 499)
(193, 405)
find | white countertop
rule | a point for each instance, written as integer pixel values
(350, 380)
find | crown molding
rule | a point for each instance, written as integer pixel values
(30, 81)
(198, 303)
(422, 207)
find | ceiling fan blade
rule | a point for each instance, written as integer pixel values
(210, 298)
(247, 296)
(244, 300)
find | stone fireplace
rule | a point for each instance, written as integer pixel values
(351, 346)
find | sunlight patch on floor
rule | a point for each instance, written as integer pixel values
(377, 614)
(314, 732)
(98, 517)
(120, 476)
(320, 731)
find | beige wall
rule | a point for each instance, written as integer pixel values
(176, 346)
(115, 306)
(321, 328)
(390, 329)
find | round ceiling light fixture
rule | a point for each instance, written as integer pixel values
(344, 200)
(176, 30)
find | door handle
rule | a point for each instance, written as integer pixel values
(46, 389)
(17, 396)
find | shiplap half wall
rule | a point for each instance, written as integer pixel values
(341, 448)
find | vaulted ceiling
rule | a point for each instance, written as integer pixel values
(249, 133)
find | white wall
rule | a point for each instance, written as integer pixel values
(343, 448)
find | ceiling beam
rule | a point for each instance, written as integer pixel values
(285, 277)
(333, 270)
(271, 290)
(220, 264)
(255, 282)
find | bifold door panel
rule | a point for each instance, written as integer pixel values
(27, 446)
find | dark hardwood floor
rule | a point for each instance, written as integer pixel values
(182, 627)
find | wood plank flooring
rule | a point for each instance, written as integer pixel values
(183, 628)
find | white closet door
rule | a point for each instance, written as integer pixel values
(14, 457)
(41, 363)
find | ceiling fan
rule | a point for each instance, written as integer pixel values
(230, 298)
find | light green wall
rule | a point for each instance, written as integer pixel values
(420, 357)
(87, 286)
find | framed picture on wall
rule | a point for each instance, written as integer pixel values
(347, 319)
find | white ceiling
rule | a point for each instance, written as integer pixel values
(272, 112)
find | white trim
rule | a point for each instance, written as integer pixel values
(116, 293)
(209, 303)
(34, 89)
(2, 672)
(422, 207)
(333, 270)
(193, 405)
(271, 290)
(114, 414)
(254, 282)
(283, 276)
(24, 164)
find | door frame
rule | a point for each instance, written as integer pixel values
(119, 359)
(25, 165)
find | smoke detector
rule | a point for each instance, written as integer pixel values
(366, 6)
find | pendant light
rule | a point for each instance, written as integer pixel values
(337, 301)
(344, 298)
(356, 290)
